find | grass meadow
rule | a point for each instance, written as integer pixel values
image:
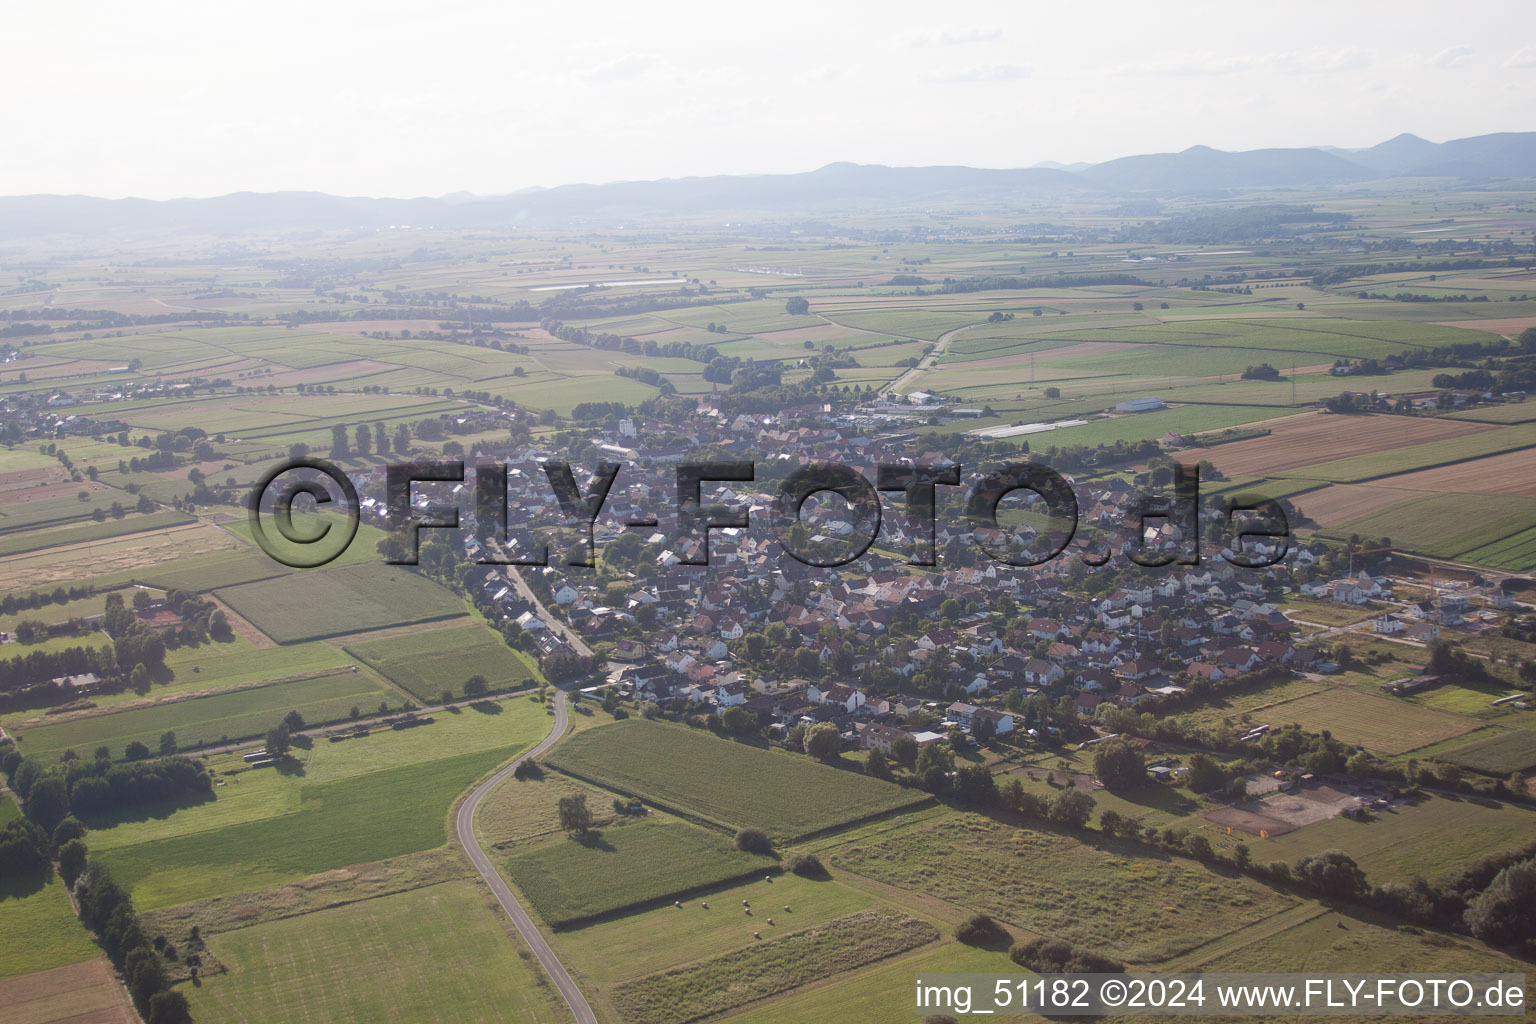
(728, 784)
(732, 979)
(440, 955)
(334, 602)
(424, 664)
(1140, 905)
(1437, 837)
(569, 880)
(39, 927)
(236, 714)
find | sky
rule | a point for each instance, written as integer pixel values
(166, 99)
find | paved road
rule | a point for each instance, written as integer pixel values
(928, 360)
(550, 619)
(465, 826)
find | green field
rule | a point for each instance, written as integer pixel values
(648, 941)
(37, 540)
(424, 664)
(727, 784)
(370, 817)
(1438, 525)
(1436, 838)
(571, 880)
(437, 954)
(879, 994)
(236, 714)
(40, 929)
(1504, 752)
(733, 979)
(1386, 725)
(1121, 899)
(333, 602)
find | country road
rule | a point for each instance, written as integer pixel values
(926, 363)
(464, 824)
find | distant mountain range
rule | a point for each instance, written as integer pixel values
(836, 187)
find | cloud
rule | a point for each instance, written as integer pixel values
(1302, 62)
(995, 73)
(1323, 62)
(1525, 58)
(1454, 57)
(622, 70)
(974, 35)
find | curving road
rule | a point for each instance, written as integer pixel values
(464, 824)
(926, 363)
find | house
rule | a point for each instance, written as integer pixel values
(961, 713)
(838, 694)
(1140, 405)
(1001, 722)
(628, 650)
(531, 623)
(1088, 703)
(567, 594)
(1388, 624)
(876, 736)
(1040, 672)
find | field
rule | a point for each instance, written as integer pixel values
(727, 784)
(424, 664)
(332, 602)
(650, 941)
(391, 958)
(1128, 902)
(573, 880)
(1309, 439)
(40, 929)
(1435, 838)
(87, 992)
(732, 979)
(1500, 754)
(363, 800)
(236, 714)
(1385, 725)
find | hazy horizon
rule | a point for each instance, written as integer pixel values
(168, 101)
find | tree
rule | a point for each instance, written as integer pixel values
(1111, 822)
(69, 828)
(167, 744)
(48, 801)
(71, 861)
(363, 439)
(1072, 807)
(876, 764)
(278, 740)
(1204, 774)
(739, 721)
(138, 679)
(797, 306)
(1332, 873)
(135, 751)
(1198, 846)
(981, 930)
(1505, 912)
(446, 697)
(294, 721)
(169, 1007)
(575, 815)
(753, 840)
(1119, 764)
(823, 742)
(475, 686)
(904, 750)
(339, 447)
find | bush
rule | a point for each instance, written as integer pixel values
(528, 769)
(753, 840)
(1054, 956)
(981, 930)
(808, 865)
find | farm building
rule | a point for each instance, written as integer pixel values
(1140, 405)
